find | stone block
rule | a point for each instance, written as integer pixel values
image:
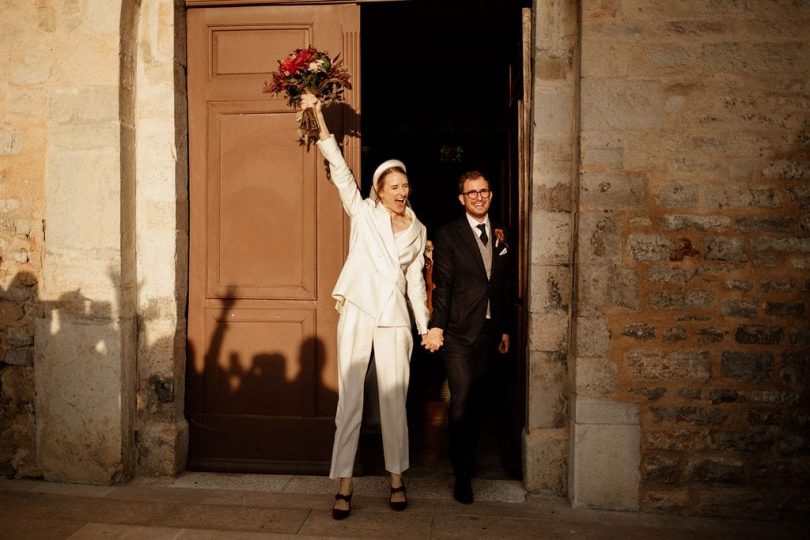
(759, 334)
(661, 469)
(604, 58)
(784, 244)
(723, 248)
(648, 247)
(680, 438)
(601, 286)
(777, 285)
(766, 224)
(680, 299)
(677, 195)
(94, 58)
(555, 198)
(84, 135)
(739, 285)
(698, 416)
(710, 335)
(663, 273)
(614, 191)
(162, 448)
(743, 198)
(551, 289)
(739, 308)
(554, 113)
(600, 411)
(83, 420)
(652, 394)
(787, 169)
(97, 105)
(774, 396)
(93, 192)
(747, 366)
(551, 238)
(592, 337)
(764, 417)
(653, 365)
(785, 310)
(743, 441)
(800, 195)
(548, 400)
(725, 395)
(620, 104)
(723, 470)
(676, 333)
(640, 331)
(595, 377)
(689, 393)
(795, 367)
(606, 460)
(548, 332)
(599, 239)
(20, 356)
(800, 336)
(545, 466)
(679, 222)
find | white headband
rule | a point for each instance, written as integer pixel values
(384, 166)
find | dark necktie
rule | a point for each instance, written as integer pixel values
(484, 237)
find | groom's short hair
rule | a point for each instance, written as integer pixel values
(469, 175)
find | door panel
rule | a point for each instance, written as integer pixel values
(267, 241)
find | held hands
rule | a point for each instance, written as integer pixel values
(433, 339)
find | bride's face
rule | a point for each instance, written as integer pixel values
(393, 190)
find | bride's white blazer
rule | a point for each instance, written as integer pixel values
(372, 274)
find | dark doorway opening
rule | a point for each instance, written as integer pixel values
(440, 83)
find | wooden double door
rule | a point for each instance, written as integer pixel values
(267, 241)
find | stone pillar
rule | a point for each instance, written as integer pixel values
(606, 454)
(85, 342)
(162, 236)
(554, 170)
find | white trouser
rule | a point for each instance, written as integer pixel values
(357, 332)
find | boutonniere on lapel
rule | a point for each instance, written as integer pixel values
(500, 242)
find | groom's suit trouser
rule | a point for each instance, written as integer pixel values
(357, 334)
(468, 376)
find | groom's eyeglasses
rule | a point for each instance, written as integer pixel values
(482, 193)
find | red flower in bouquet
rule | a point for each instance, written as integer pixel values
(309, 71)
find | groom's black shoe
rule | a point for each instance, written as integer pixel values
(462, 492)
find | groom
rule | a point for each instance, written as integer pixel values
(471, 310)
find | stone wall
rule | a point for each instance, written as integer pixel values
(550, 273)
(25, 63)
(162, 236)
(93, 153)
(694, 250)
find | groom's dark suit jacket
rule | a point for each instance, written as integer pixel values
(462, 288)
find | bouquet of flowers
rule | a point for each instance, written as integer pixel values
(309, 71)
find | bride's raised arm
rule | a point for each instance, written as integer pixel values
(340, 173)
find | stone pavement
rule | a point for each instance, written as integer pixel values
(205, 505)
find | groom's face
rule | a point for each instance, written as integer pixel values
(475, 202)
